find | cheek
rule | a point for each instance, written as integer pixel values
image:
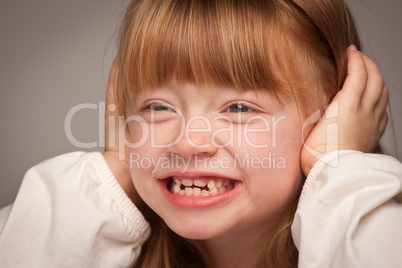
(288, 146)
(275, 181)
(141, 158)
(277, 166)
(281, 140)
(143, 135)
(141, 170)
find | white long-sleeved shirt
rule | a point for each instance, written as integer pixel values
(71, 212)
(350, 212)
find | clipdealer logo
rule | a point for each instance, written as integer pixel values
(117, 124)
(174, 162)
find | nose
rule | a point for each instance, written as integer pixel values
(195, 140)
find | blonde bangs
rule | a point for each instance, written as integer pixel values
(202, 42)
(261, 45)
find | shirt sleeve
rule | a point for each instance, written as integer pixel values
(350, 212)
(71, 212)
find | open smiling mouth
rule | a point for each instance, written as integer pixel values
(204, 186)
(198, 191)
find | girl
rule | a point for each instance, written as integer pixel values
(217, 98)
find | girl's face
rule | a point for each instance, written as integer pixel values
(213, 161)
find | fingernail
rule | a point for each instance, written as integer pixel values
(353, 47)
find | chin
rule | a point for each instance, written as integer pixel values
(191, 233)
(197, 229)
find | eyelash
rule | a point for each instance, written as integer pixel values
(161, 107)
(239, 105)
(153, 105)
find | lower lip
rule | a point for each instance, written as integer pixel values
(197, 202)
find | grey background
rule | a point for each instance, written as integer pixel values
(55, 55)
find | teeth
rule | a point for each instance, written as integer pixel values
(214, 191)
(176, 188)
(199, 183)
(187, 182)
(211, 184)
(196, 191)
(178, 182)
(193, 188)
(204, 193)
(189, 191)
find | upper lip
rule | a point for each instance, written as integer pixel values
(195, 174)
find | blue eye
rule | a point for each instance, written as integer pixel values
(159, 107)
(238, 108)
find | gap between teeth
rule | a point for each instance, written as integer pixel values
(214, 188)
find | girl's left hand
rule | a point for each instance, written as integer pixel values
(358, 110)
(115, 138)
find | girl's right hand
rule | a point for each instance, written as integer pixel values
(358, 110)
(115, 137)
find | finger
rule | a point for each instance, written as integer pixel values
(383, 124)
(111, 128)
(112, 84)
(356, 80)
(382, 103)
(112, 132)
(375, 84)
